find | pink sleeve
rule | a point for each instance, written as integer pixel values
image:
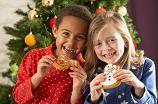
(22, 91)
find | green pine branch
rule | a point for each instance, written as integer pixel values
(20, 12)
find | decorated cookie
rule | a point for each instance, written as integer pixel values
(110, 81)
(64, 62)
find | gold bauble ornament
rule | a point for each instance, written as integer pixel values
(47, 3)
(32, 14)
(30, 39)
(122, 11)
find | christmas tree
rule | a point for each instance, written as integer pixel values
(34, 30)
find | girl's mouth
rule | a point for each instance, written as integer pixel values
(69, 50)
(109, 55)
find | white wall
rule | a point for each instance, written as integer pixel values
(7, 18)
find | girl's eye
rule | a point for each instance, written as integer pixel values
(97, 43)
(80, 37)
(111, 40)
(66, 34)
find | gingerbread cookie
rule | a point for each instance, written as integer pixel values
(110, 81)
(64, 62)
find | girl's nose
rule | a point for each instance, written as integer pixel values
(106, 46)
(71, 41)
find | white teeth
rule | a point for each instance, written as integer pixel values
(109, 55)
(69, 50)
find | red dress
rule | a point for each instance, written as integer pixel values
(54, 88)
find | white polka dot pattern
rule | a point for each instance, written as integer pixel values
(54, 88)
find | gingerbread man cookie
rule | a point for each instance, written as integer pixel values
(110, 81)
(64, 62)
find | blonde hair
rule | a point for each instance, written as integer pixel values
(118, 22)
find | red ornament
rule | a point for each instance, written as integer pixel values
(100, 9)
(52, 21)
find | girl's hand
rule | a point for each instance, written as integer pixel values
(129, 78)
(44, 64)
(79, 76)
(96, 87)
(43, 67)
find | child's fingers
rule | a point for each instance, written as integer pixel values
(122, 77)
(78, 75)
(79, 66)
(121, 72)
(75, 76)
(101, 75)
(96, 87)
(72, 75)
(81, 79)
(44, 64)
(46, 59)
(78, 70)
(97, 81)
(127, 80)
(50, 58)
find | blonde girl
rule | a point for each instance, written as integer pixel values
(109, 42)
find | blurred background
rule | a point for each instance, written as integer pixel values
(8, 17)
(145, 17)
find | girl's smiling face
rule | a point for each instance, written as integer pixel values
(109, 45)
(71, 36)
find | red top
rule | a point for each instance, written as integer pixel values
(54, 88)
